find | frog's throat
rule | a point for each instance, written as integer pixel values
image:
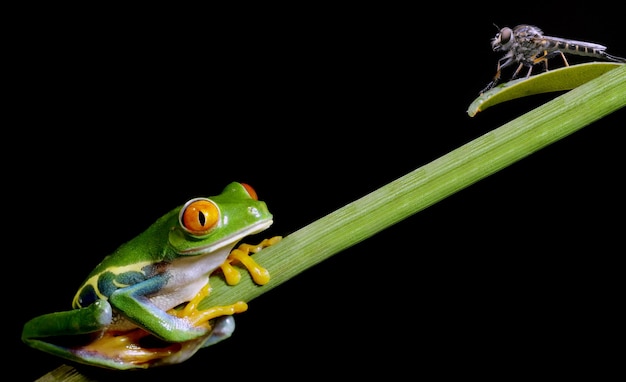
(231, 239)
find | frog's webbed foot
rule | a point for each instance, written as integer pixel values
(139, 349)
(132, 349)
(241, 254)
(202, 317)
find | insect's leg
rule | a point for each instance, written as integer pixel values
(501, 65)
(613, 58)
(488, 87)
(546, 56)
(496, 78)
(564, 59)
(540, 59)
(518, 70)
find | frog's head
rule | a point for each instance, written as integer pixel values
(208, 224)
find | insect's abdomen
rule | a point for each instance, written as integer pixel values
(579, 48)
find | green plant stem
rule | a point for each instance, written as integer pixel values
(429, 184)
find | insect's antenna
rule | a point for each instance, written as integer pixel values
(497, 27)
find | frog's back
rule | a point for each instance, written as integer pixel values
(149, 246)
(132, 262)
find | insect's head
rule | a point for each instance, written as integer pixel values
(503, 39)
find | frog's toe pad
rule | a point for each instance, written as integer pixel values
(223, 328)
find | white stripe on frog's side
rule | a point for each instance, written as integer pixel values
(188, 275)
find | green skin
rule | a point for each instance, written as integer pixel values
(136, 285)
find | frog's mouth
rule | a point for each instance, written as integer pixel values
(230, 239)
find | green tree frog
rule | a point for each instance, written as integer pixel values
(138, 307)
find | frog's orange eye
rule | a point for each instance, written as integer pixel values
(199, 216)
(250, 191)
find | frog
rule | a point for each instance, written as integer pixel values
(138, 308)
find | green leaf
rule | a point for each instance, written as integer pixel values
(427, 185)
(566, 78)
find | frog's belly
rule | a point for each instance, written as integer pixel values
(167, 300)
(188, 275)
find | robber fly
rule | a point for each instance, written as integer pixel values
(527, 46)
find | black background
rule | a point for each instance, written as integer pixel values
(122, 115)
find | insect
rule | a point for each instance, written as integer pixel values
(527, 46)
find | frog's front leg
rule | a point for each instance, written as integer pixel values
(241, 254)
(132, 301)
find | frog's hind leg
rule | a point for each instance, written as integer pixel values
(223, 328)
(126, 350)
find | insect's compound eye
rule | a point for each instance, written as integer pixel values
(505, 35)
